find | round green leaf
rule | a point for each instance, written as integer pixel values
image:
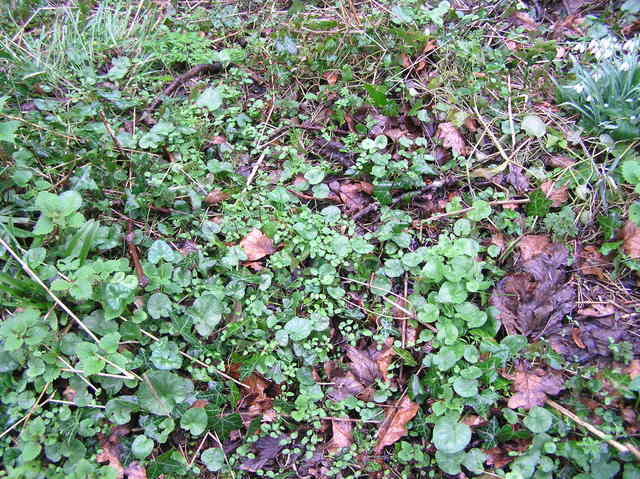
(165, 355)
(465, 387)
(450, 292)
(159, 305)
(314, 175)
(142, 446)
(194, 420)
(160, 250)
(450, 436)
(534, 126)
(213, 459)
(298, 328)
(480, 210)
(539, 420)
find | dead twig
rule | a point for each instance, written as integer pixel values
(201, 69)
(133, 251)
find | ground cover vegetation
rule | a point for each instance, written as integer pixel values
(316, 239)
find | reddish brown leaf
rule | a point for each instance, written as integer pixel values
(474, 421)
(532, 245)
(395, 424)
(451, 138)
(265, 449)
(597, 310)
(331, 77)
(575, 335)
(592, 262)
(362, 365)
(532, 387)
(135, 471)
(218, 140)
(557, 194)
(342, 436)
(497, 239)
(111, 449)
(199, 403)
(633, 370)
(471, 124)
(216, 196)
(631, 239)
(497, 457)
(524, 20)
(354, 195)
(257, 245)
(558, 161)
(384, 357)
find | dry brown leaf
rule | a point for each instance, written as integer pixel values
(111, 449)
(395, 424)
(135, 471)
(532, 387)
(497, 457)
(471, 124)
(560, 161)
(257, 245)
(342, 436)
(575, 335)
(353, 195)
(451, 138)
(216, 196)
(383, 358)
(633, 370)
(570, 25)
(473, 421)
(524, 20)
(363, 365)
(517, 178)
(631, 239)
(597, 310)
(497, 239)
(592, 262)
(557, 194)
(331, 77)
(532, 245)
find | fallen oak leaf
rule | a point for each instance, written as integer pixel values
(257, 245)
(342, 435)
(452, 139)
(631, 239)
(394, 426)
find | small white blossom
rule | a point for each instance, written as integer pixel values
(579, 87)
(625, 66)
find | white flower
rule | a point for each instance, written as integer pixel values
(589, 98)
(579, 87)
(625, 67)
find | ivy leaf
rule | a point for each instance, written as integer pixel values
(194, 420)
(206, 313)
(450, 436)
(161, 391)
(211, 98)
(159, 306)
(538, 204)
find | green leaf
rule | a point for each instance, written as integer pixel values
(450, 463)
(538, 420)
(165, 355)
(406, 356)
(539, 204)
(634, 213)
(465, 388)
(118, 410)
(161, 391)
(450, 436)
(452, 293)
(43, 226)
(194, 420)
(378, 95)
(161, 250)
(70, 202)
(401, 14)
(89, 362)
(119, 68)
(141, 446)
(480, 210)
(206, 313)
(474, 460)
(448, 356)
(534, 126)
(117, 294)
(159, 306)
(298, 328)
(314, 175)
(213, 459)
(8, 131)
(211, 98)
(30, 450)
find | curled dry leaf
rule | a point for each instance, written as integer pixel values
(633, 370)
(354, 195)
(216, 196)
(557, 194)
(532, 245)
(257, 245)
(631, 239)
(532, 386)
(451, 138)
(342, 436)
(497, 457)
(597, 310)
(394, 425)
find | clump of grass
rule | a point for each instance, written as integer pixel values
(607, 94)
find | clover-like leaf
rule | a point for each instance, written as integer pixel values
(159, 305)
(213, 458)
(538, 420)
